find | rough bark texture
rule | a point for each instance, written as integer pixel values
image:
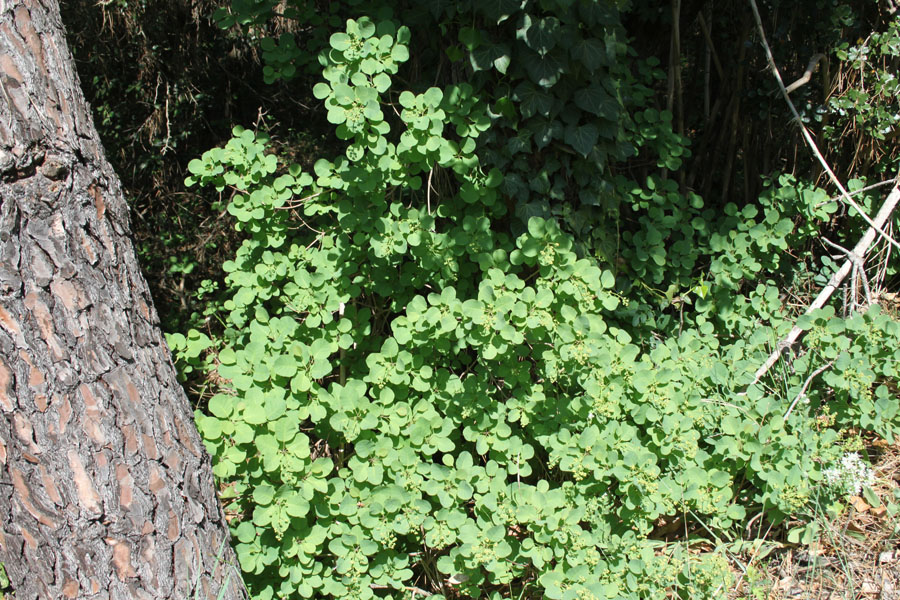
(106, 490)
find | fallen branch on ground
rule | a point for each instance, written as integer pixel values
(860, 251)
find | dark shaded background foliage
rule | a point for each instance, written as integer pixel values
(166, 83)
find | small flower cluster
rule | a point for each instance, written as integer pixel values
(850, 476)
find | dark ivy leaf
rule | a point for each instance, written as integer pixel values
(540, 183)
(435, 7)
(486, 56)
(608, 129)
(594, 99)
(470, 38)
(591, 52)
(502, 63)
(544, 70)
(521, 142)
(545, 131)
(533, 100)
(582, 139)
(514, 186)
(498, 11)
(541, 35)
(527, 210)
(598, 13)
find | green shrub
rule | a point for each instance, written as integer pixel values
(423, 393)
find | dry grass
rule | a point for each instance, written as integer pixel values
(856, 556)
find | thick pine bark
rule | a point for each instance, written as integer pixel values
(106, 490)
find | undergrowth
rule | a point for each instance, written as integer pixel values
(473, 356)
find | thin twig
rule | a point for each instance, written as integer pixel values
(804, 79)
(428, 190)
(722, 403)
(849, 253)
(706, 77)
(296, 203)
(805, 387)
(307, 225)
(865, 281)
(166, 145)
(883, 262)
(709, 44)
(859, 250)
(415, 590)
(868, 188)
(858, 270)
(342, 377)
(679, 100)
(673, 41)
(806, 135)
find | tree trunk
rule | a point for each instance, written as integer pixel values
(106, 490)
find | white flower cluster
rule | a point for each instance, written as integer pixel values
(850, 476)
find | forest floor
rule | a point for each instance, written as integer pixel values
(856, 555)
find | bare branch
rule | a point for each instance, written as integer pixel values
(868, 188)
(805, 387)
(858, 271)
(859, 250)
(804, 79)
